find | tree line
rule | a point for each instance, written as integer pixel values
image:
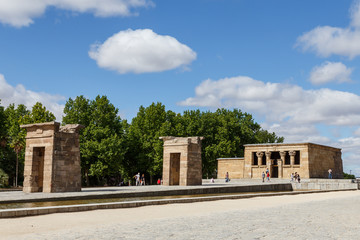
(113, 150)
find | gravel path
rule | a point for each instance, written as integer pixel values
(334, 215)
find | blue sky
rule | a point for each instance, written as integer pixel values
(294, 65)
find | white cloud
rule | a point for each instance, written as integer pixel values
(141, 51)
(357, 132)
(355, 14)
(350, 153)
(330, 72)
(327, 40)
(20, 13)
(279, 102)
(20, 95)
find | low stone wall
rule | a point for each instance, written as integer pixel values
(325, 184)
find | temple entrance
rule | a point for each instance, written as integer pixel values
(38, 166)
(274, 171)
(174, 168)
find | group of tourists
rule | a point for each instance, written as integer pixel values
(139, 180)
(295, 177)
(266, 174)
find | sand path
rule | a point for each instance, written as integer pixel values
(334, 215)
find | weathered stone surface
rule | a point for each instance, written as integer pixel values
(52, 158)
(234, 166)
(182, 161)
(307, 159)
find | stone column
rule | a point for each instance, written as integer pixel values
(268, 160)
(259, 156)
(292, 157)
(280, 163)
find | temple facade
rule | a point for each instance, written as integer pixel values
(309, 160)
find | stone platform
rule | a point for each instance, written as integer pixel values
(235, 189)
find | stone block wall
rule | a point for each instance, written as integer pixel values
(234, 166)
(322, 158)
(67, 163)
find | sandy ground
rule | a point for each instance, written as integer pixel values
(334, 215)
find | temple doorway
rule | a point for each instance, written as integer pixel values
(174, 168)
(38, 166)
(274, 171)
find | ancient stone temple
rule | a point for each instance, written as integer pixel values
(182, 161)
(307, 159)
(52, 158)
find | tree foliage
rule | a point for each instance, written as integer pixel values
(38, 114)
(102, 144)
(349, 176)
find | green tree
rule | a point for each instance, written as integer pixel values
(2, 127)
(3, 145)
(16, 137)
(145, 149)
(38, 114)
(102, 144)
(349, 176)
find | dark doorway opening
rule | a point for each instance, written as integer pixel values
(38, 166)
(275, 155)
(274, 172)
(174, 168)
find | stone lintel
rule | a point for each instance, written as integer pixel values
(171, 140)
(235, 158)
(71, 128)
(309, 144)
(39, 125)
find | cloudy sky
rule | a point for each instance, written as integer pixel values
(293, 64)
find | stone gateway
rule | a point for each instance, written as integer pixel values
(307, 159)
(52, 158)
(182, 161)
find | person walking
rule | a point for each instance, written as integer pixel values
(137, 179)
(263, 176)
(143, 179)
(227, 179)
(330, 173)
(268, 176)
